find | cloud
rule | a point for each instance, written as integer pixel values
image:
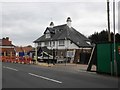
(24, 22)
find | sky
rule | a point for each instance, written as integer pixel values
(23, 21)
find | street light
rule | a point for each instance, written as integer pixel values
(66, 51)
(36, 53)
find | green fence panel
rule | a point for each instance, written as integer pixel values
(118, 57)
(105, 55)
(103, 58)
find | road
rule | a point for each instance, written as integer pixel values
(34, 76)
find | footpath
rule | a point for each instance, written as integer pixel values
(69, 66)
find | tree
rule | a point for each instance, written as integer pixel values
(103, 37)
(117, 37)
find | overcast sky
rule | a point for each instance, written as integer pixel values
(24, 22)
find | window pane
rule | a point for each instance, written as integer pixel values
(46, 43)
(53, 43)
(61, 43)
(47, 35)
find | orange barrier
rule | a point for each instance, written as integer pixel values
(15, 59)
(4, 59)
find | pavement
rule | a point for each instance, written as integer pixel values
(71, 66)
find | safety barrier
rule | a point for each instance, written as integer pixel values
(14, 59)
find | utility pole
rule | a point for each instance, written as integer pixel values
(108, 18)
(115, 63)
(109, 36)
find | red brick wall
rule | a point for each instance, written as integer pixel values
(6, 42)
(8, 51)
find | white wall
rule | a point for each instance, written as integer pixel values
(67, 45)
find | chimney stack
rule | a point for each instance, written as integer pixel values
(69, 22)
(7, 38)
(51, 24)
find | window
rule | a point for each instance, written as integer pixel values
(70, 53)
(47, 35)
(88, 42)
(50, 44)
(53, 43)
(39, 44)
(61, 43)
(47, 43)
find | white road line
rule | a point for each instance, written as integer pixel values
(45, 78)
(10, 68)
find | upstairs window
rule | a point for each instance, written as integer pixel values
(47, 34)
(88, 42)
(47, 43)
(61, 43)
(53, 43)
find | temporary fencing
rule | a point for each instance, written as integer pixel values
(16, 59)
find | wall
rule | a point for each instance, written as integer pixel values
(67, 45)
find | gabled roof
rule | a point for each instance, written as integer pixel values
(27, 49)
(18, 49)
(23, 49)
(63, 32)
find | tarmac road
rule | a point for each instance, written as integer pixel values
(35, 76)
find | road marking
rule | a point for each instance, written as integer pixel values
(10, 68)
(45, 78)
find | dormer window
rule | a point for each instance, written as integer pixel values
(88, 42)
(47, 34)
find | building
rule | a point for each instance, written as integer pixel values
(23, 51)
(6, 47)
(65, 40)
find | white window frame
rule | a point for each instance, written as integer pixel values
(47, 35)
(61, 43)
(53, 43)
(47, 43)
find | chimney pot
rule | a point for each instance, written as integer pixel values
(51, 24)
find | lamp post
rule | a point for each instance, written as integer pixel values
(66, 51)
(52, 52)
(36, 53)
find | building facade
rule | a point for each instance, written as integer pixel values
(6, 47)
(64, 39)
(23, 51)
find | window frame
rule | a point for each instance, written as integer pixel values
(61, 42)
